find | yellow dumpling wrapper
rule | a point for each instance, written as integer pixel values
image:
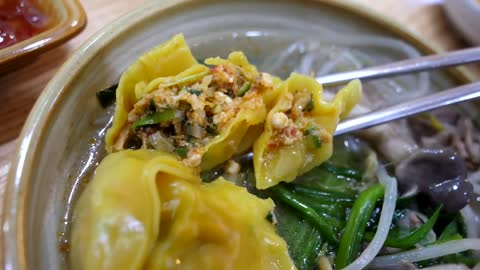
(145, 210)
(172, 59)
(216, 226)
(172, 63)
(237, 58)
(117, 218)
(284, 163)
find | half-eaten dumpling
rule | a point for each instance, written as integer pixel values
(299, 129)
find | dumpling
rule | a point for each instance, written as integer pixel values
(145, 210)
(299, 129)
(117, 218)
(216, 226)
(201, 113)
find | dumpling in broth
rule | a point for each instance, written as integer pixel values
(117, 218)
(145, 210)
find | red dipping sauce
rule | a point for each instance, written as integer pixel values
(20, 20)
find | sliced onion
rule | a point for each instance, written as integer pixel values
(196, 131)
(179, 115)
(386, 216)
(160, 143)
(429, 252)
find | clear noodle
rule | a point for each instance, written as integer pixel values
(337, 53)
(428, 252)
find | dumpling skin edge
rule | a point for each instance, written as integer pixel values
(167, 59)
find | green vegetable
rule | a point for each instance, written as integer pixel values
(323, 196)
(350, 173)
(357, 222)
(330, 205)
(320, 178)
(335, 215)
(106, 97)
(217, 109)
(310, 105)
(244, 89)
(303, 239)
(449, 233)
(154, 118)
(333, 211)
(313, 136)
(182, 151)
(193, 91)
(317, 143)
(212, 129)
(460, 258)
(413, 237)
(323, 224)
(310, 129)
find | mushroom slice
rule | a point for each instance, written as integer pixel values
(439, 173)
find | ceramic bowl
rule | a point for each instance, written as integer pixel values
(61, 141)
(465, 15)
(67, 19)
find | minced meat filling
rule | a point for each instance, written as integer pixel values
(294, 122)
(182, 119)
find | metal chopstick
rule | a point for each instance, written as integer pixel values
(459, 57)
(421, 104)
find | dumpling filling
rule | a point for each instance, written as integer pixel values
(299, 130)
(294, 122)
(184, 118)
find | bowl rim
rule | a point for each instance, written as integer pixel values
(465, 16)
(46, 106)
(62, 30)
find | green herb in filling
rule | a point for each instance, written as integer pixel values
(217, 109)
(193, 91)
(315, 141)
(310, 105)
(311, 134)
(310, 129)
(154, 118)
(244, 89)
(182, 151)
(212, 129)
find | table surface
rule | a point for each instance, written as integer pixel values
(20, 88)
